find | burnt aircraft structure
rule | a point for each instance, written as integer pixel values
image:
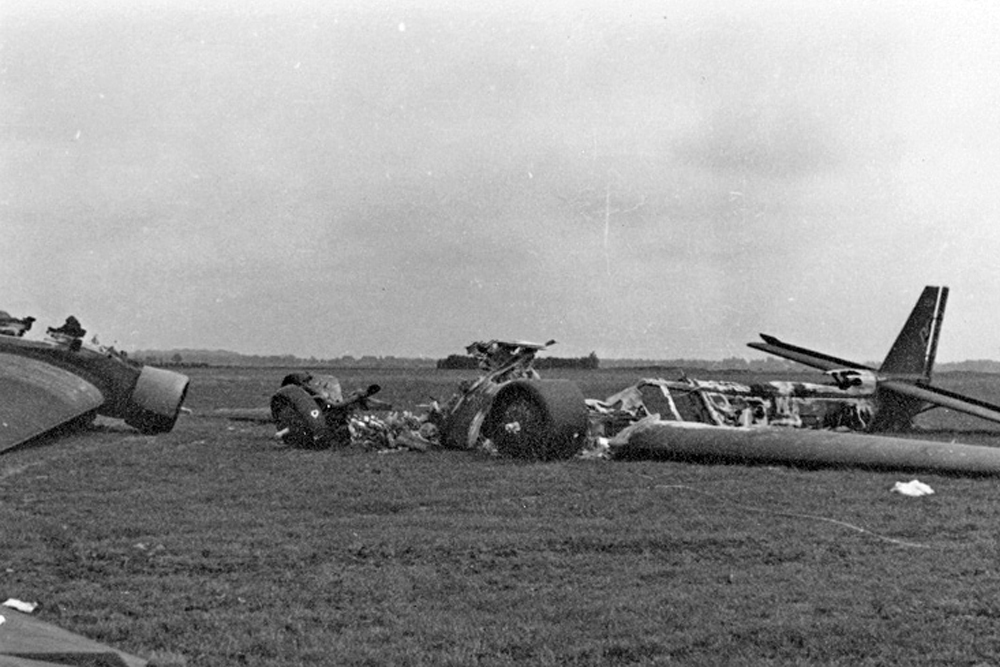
(748, 422)
(900, 389)
(511, 409)
(311, 411)
(62, 381)
(860, 398)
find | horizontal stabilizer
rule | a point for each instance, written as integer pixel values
(945, 399)
(824, 362)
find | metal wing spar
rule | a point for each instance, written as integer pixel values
(36, 397)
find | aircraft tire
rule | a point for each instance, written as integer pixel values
(293, 408)
(538, 420)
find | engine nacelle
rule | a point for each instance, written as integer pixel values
(156, 401)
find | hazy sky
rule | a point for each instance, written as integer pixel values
(654, 179)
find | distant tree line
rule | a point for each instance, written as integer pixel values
(192, 358)
(589, 362)
(201, 358)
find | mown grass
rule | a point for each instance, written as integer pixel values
(215, 544)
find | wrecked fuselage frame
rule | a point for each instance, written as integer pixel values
(849, 404)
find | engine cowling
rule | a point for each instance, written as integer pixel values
(155, 402)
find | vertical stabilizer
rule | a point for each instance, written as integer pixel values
(916, 346)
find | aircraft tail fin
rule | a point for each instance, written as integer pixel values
(915, 348)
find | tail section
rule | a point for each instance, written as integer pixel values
(912, 355)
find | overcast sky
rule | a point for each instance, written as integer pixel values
(646, 180)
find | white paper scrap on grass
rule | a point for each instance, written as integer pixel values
(20, 605)
(912, 488)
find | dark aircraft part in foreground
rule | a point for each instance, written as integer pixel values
(724, 444)
(49, 384)
(311, 413)
(540, 420)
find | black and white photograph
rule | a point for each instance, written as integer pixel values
(509, 333)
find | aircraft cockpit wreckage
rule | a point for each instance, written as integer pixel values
(61, 380)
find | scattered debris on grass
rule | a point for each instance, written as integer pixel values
(21, 605)
(914, 488)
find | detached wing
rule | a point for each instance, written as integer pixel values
(36, 397)
(824, 362)
(944, 399)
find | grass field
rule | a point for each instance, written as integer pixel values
(213, 545)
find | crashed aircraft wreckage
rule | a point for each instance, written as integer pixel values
(749, 423)
(62, 381)
(311, 412)
(508, 410)
(511, 410)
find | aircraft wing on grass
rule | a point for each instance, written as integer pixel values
(58, 381)
(36, 397)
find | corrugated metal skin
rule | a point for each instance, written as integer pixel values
(36, 397)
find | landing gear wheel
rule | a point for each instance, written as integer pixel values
(295, 410)
(540, 420)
